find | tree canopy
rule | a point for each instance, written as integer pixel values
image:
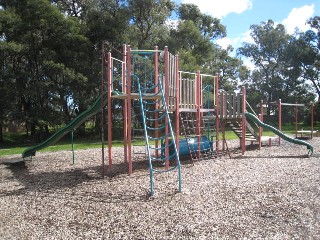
(50, 53)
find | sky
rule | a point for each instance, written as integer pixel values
(239, 15)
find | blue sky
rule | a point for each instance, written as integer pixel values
(238, 15)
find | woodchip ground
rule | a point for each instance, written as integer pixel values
(273, 193)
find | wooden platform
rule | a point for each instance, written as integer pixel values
(308, 133)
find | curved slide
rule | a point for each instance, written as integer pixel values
(76, 122)
(279, 133)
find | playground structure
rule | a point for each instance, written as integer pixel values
(310, 132)
(183, 93)
(181, 113)
(279, 105)
(169, 93)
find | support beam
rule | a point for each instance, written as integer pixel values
(243, 136)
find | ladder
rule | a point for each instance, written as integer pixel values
(157, 128)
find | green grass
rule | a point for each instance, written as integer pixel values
(17, 143)
(16, 148)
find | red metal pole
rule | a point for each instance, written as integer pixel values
(109, 74)
(217, 110)
(296, 121)
(198, 132)
(261, 119)
(156, 82)
(280, 118)
(166, 87)
(125, 109)
(177, 107)
(312, 105)
(103, 58)
(129, 129)
(243, 138)
(260, 131)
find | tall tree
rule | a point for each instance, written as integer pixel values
(194, 35)
(209, 27)
(267, 53)
(309, 49)
(148, 21)
(45, 70)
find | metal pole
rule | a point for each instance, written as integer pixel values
(243, 139)
(156, 82)
(72, 140)
(177, 107)
(109, 89)
(296, 121)
(125, 109)
(129, 124)
(280, 118)
(166, 87)
(102, 109)
(198, 102)
(217, 111)
(312, 120)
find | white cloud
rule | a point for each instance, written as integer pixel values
(298, 17)
(221, 8)
(248, 63)
(235, 42)
(224, 42)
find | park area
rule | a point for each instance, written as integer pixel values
(272, 193)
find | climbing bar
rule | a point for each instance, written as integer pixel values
(293, 104)
(162, 116)
(115, 59)
(158, 128)
(159, 138)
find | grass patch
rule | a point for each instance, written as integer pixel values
(16, 143)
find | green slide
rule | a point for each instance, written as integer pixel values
(76, 122)
(279, 133)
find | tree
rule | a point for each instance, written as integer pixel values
(209, 27)
(267, 53)
(193, 37)
(69, 7)
(148, 22)
(309, 46)
(45, 72)
(230, 69)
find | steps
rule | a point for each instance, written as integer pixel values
(236, 127)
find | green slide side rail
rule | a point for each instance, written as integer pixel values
(279, 133)
(76, 122)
